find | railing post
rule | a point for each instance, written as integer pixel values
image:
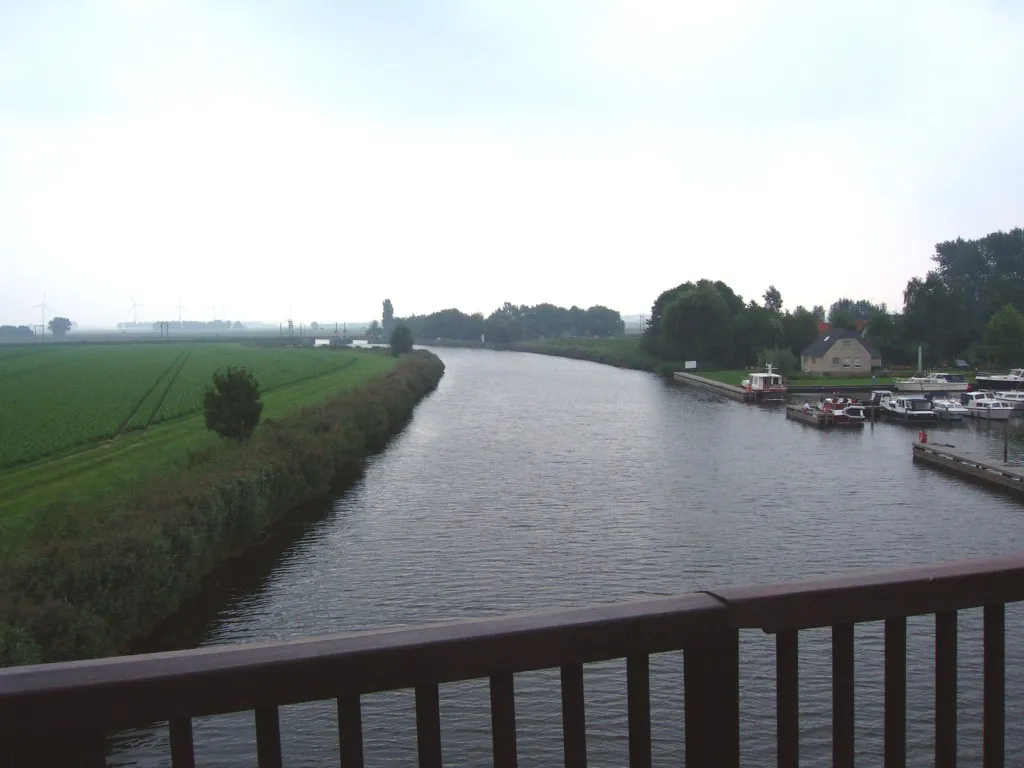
(711, 696)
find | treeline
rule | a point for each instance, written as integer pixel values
(969, 305)
(967, 308)
(16, 333)
(192, 325)
(708, 322)
(510, 323)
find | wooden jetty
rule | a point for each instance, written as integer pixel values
(819, 419)
(1007, 476)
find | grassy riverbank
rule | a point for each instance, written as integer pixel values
(81, 576)
(620, 351)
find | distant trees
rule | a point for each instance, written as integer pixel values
(966, 307)
(59, 326)
(232, 406)
(401, 340)
(948, 310)
(374, 332)
(16, 333)
(510, 323)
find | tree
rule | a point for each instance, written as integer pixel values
(231, 406)
(373, 331)
(401, 340)
(387, 318)
(819, 312)
(773, 299)
(800, 329)
(59, 326)
(1004, 336)
(782, 360)
(314, 326)
(697, 325)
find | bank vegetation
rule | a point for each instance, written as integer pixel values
(92, 578)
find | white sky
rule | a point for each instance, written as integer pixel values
(322, 156)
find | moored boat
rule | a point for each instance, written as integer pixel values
(765, 385)
(1013, 397)
(849, 416)
(1001, 382)
(982, 405)
(947, 408)
(909, 408)
(933, 382)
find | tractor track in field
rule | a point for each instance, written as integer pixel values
(142, 401)
(167, 389)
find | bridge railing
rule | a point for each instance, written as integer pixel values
(60, 713)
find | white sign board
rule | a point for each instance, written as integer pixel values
(690, 364)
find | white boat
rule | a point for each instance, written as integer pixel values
(909, 408)
(1013, 397)
(948, 409)
(981, 405)
(766, 385)
(933, 382)
(1001, 382)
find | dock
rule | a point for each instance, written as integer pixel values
(729, 390)
(819, 419)
(1008, 476)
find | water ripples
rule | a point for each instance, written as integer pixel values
(528, 482)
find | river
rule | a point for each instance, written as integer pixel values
(527, 482)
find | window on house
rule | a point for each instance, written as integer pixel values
(846, 362)
(857, 363)
(835, 361)
(846, 343)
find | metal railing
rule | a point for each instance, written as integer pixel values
(59, 714)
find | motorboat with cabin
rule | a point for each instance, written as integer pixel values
(765, 386)
(1013, 397)
(933, 382)
(909, 408)
(947, 407)
(982, 405)
(1001, 382)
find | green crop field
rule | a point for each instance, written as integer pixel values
(76, 421)
(55, 399)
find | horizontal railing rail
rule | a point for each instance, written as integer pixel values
(60, 713)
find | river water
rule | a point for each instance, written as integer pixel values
(528, 482)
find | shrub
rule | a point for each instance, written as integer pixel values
(232, 405)
(401, 340)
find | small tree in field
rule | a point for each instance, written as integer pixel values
(401, 340)
(232, 407)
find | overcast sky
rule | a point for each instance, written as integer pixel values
(325, 155)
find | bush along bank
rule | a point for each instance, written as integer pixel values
(100, 578)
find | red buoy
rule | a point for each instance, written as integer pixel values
(922, 437)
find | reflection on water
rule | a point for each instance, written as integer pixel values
(528, 482)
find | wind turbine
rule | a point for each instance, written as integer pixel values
(42, 315)
(134, 309)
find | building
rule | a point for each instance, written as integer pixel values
(839, 351)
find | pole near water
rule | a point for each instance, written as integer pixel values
(919, 367)
(1006, 439)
